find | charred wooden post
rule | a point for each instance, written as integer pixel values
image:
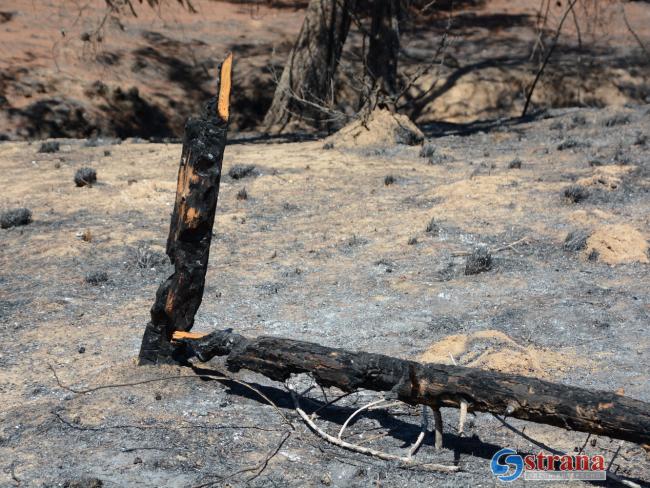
(190, 231)
(436, 385)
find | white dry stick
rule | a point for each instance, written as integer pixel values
(357, 412)
(463, 416)
(437, 419)
(423, 432)
(440, 468)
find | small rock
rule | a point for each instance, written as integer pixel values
(85, 176)
(239, 171)
(96, 277)
(82, 349)
(576, 193)
(479, 261)
(15, 217)
(49, 147)
(326, 479)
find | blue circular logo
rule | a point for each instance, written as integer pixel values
(507, 465)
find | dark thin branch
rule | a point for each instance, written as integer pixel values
(548, 57)
(633, 32)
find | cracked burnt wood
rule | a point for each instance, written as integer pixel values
(190, 231)
(436, 385)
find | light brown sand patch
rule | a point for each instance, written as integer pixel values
(606, 177)
(617, 244)
(492, 349)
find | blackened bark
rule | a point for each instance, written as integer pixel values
(190, 231)
(383, 48)
(436, 385)
(306, 81)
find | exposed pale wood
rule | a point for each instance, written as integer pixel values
(180, 334)
(225, 84)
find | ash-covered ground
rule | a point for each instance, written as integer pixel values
(364, 250)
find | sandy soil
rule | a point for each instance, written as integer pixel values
(69, 70)
(322, 250)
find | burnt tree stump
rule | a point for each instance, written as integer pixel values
(190, 231)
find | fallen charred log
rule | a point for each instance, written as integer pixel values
(435, 385)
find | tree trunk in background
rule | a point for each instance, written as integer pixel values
(306, 80)
(383, 51)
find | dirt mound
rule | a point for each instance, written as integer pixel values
(606, 177)
(492, 349)
(617, 244)
(382, 129)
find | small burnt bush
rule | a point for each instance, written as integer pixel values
(49, 147)
(432, 227)
(578, 120)
(242, 194)
(143, 257)
(96, 278)
(15, 217)
(389, 180)
(641, 139)
(576, 193)
(432, 155)
(618, 119)
(427, 150)
(412, 241)
(479, 260)
(83, 483)
(576, 240)
(515, 164)
(572, 143)
(85, 176)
